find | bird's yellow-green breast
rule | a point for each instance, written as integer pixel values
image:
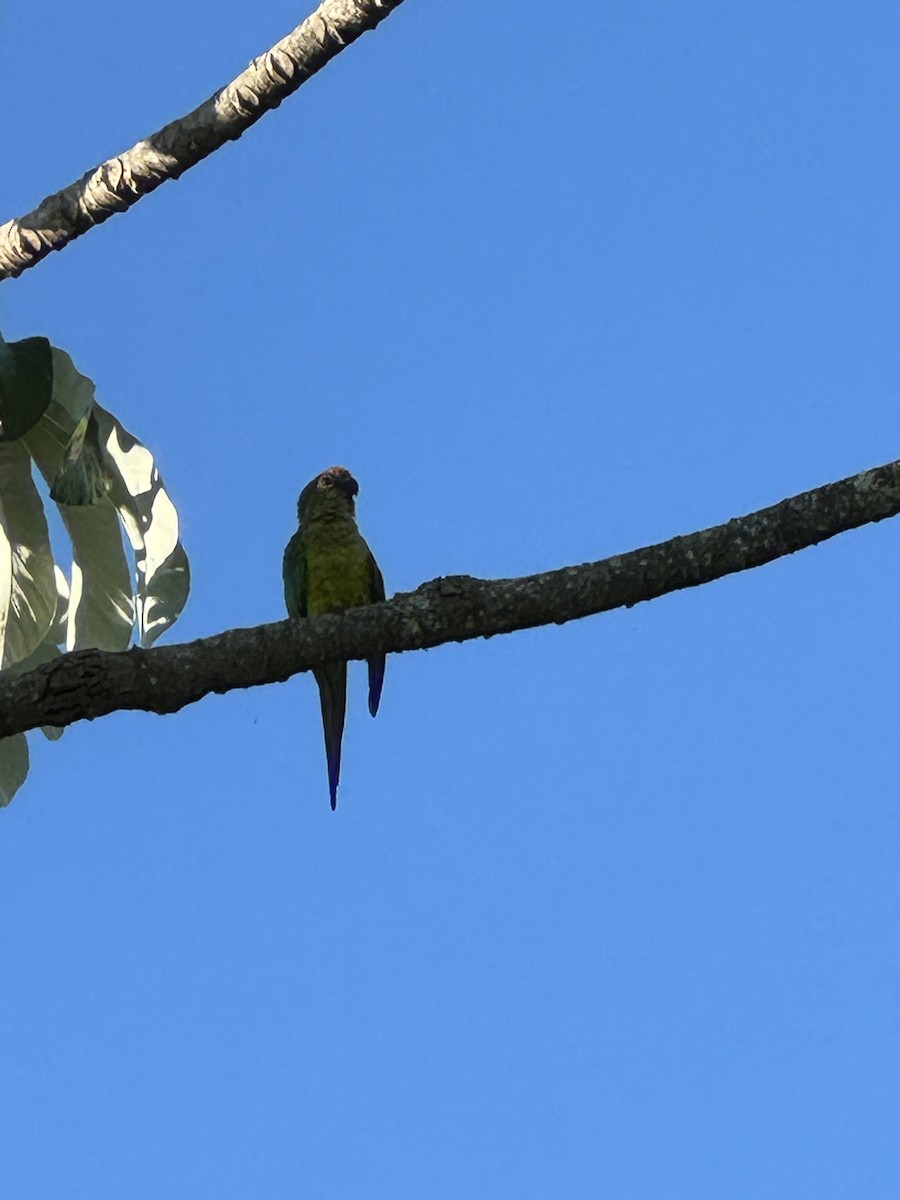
(337, 567)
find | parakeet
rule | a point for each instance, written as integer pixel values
(327, 565)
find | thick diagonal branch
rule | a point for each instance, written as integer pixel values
(91, 683)
(121, 181)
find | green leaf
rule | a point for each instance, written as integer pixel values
(28, 586)
(101, 607)
(151, 524)
(13, 766)
(103, 481)
(72, 391)
(57, 633)
(81, 479)
(26, 383)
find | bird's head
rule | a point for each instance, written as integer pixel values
(331, 493)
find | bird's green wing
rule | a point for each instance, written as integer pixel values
(294, 572)
(376, 663)
(376, 582)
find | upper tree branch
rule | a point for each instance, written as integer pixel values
(91, 683)
(121, 181)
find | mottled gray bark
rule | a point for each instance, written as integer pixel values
(121, 181)
(91, 683)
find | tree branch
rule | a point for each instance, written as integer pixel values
(92, 683)
(121, 181)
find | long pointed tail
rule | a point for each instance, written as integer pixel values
(332, 681)
(376, 679)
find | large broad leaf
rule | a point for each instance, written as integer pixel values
(101, 608)
(71, 390)
(60, 624)
(14, 750)
(13, 766)
(151, 523)
(81, 479)
(26, 380)
(28, 587)
(103, 480)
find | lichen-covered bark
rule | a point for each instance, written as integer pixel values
(121, 181)
(91, 683)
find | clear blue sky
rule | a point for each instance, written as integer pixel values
(605, 910)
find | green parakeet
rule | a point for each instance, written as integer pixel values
(327, 565)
